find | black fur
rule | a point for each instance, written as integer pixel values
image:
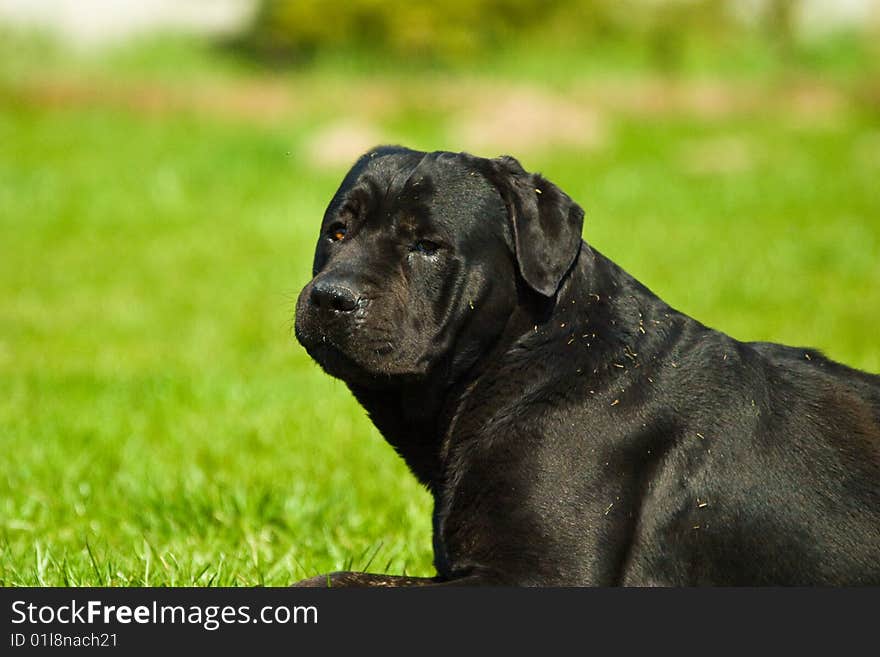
(572, 427)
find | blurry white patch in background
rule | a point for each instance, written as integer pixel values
(820, 16)
(811, 17)
(339, 144)
(526, 120)
(105, 22)
(718, 156)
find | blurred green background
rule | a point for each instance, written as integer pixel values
(161, 186)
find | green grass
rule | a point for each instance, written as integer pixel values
(158, 422)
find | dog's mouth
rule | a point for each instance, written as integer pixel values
(359, 348)
(367, 368)
(334, 360)
(350, 353)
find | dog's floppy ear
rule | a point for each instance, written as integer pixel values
(546, 224)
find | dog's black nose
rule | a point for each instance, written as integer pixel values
(328, 295)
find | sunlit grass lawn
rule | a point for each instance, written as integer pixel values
(158, 422)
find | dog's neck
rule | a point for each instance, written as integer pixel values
(596, 302)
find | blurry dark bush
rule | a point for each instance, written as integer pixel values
(663, 34)
(298, 30)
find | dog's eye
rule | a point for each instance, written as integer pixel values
(425, 247)
(337, 232)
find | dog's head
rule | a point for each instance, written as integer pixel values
(423, 257)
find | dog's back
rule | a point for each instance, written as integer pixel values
(793, 499)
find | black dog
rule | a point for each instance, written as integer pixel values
(573, 428)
